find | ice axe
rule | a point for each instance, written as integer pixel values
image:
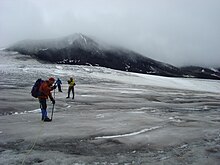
(53, 106)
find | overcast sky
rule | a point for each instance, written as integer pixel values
(179, 32)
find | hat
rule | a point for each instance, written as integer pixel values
(51, 79)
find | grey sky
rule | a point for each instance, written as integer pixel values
(179, 32)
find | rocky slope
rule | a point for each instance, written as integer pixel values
(78, 49)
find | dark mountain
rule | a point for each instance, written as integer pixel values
(201, 72)
(79, 49)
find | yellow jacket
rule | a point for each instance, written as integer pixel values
(71, 83)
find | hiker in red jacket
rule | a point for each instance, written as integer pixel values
(45, 92)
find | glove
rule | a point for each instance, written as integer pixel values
(53, 101)
(54, 87)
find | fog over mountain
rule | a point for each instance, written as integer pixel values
(180, 32)
(78, 49)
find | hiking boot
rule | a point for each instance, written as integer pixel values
(47, 119)
(43, 117)
(67, 97)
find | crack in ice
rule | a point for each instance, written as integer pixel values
(129, 134)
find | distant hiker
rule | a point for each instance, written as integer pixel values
(71, 83)
(59, 82)
(45, 89)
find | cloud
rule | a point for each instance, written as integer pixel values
(180, 32)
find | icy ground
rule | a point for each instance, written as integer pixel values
(117, 118)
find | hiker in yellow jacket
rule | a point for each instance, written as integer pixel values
(71, 83)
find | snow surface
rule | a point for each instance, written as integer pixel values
(116, 117)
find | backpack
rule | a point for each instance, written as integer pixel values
(35, 89)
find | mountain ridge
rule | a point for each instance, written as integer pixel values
(78, 49)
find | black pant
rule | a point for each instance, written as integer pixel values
(43, 107)
(43, 103)
(59, 87)
(71, 88)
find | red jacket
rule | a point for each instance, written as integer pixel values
(45, 89)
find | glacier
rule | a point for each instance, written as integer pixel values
(116, 117)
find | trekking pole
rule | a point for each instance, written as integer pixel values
(53, 106)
